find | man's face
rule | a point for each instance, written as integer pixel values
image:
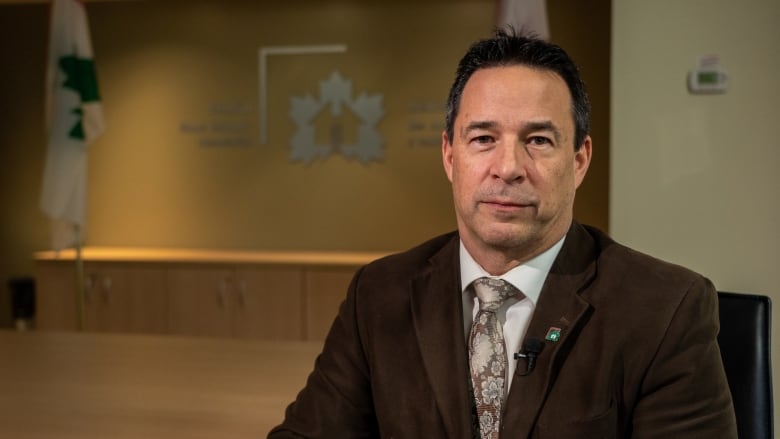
(512, 163)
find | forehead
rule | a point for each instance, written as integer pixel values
(516, 93)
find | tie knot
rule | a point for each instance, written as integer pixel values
(492, 292)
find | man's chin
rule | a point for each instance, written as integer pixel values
(507, 237)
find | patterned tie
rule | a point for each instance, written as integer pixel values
(487, 354)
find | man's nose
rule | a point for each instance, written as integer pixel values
(510, 161)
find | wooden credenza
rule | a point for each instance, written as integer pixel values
(258, 295)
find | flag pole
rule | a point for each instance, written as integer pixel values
(79, 279)
(74, 120)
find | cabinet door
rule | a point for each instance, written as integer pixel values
(325, 289)
(268, 303)
(55, 296)
(125, 297)
(200, 299)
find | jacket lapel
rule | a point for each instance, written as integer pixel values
(560, 309)
(438, 321)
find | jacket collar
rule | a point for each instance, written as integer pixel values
(561, 309)
(437, 312)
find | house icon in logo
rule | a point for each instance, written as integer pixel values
(335, 122)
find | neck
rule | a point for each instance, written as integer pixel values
(499, 260)
(496, 263)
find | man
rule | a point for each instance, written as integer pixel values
(524, 323)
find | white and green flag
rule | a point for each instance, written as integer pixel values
(74, 120)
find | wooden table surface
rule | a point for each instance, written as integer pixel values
(87, 385)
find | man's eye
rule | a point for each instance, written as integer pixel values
(482, 139)
(539, 141)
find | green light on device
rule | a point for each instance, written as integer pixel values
(707, 78)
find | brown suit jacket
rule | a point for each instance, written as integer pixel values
(637, 357)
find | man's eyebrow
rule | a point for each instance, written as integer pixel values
(479, 125)
(545, 125)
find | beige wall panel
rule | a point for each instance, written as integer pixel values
(193, 70)
(694, 177)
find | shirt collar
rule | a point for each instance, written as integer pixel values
(528, 277)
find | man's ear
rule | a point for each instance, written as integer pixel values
(582, 161)
(446, 154)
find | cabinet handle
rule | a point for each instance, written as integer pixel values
(221, 291)
(107, 282)
(242, 293)
(89, 284)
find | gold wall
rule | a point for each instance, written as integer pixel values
(181, 163)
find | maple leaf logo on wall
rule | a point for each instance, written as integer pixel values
(318, 135)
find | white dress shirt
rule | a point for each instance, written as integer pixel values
(514, 314)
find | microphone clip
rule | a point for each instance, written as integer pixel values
(532, 347)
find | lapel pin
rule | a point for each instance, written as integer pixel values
(553, 334)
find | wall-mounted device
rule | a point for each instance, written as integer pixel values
(708, 78)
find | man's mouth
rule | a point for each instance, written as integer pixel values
(508, 205)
